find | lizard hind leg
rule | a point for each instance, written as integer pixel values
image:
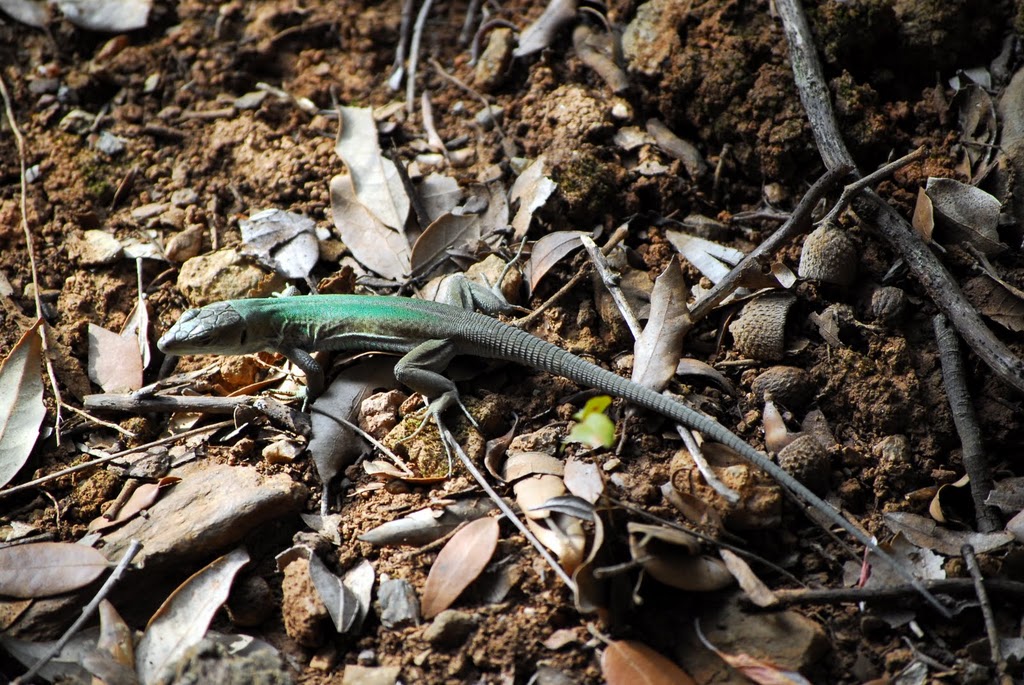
(420, 369)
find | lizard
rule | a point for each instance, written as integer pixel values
(429, 335)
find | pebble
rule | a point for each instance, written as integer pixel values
(449, 629)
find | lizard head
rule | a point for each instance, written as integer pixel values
(213, 329)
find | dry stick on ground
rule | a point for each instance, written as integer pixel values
(759, 257)
(87, 612)
(925, 266)
(414, 56)
(967, 551)
(1010, 589)
(966, 423)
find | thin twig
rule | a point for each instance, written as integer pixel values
(925, 266)
(610, 281)
(799, 222)
(697, 454)
(472, 91)
(447, 436)
(951, 586)
(135, 403)
(467, 24)
(966, 423)
(850, 191)
(614, 239)
(87, 612)
(112, 457)
(967, 551)
(398, 67)
(414, 56)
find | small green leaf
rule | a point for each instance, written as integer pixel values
(594, 429)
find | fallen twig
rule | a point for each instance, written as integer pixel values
(986, 612)
(950, 586)
(925, 266)
(610, 282)
(966, 423)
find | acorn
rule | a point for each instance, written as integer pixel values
(828, 255)
(808, 462)
(788, 385)
(760, 329)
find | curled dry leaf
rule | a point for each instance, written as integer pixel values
(371, 242)
(21, 403)
(427, 525)
(284, 241)
(683, 150)
(531, 189)
(182, 620)
(756, 590)
(374, 177)
(758, 671)
(116, 638)
(458, 564)
(143, 498)
(657, 350)
(548, 251)
(341, 603)
(998, 300)
(710, 258)
(672, 557)
(449, 232)
(628, 662)
(44, 569)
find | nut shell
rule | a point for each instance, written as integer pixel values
(828, 255)
(787, 385)
(760, 329)
(888, 304)
(808, 462)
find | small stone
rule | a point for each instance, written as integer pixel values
(398, 603)
(808, 462)
(224, 275)
(184, 197)
(95, 248)
(495, 59)
(888, 305)
(304, 613)
(250, 100)
(486, 118)
(828, 255)
(185, 245)
(449, 629)
(363, 675)
(760, 329)
(787, 385)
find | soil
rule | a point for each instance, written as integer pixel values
(716, 74)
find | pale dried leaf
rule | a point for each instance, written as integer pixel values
(696, 368)
(21, 403)
(710, 258)
(427, 525)
(657, 350)
(548, 251)
(448, 232)
(115, 363)
(458, 564)
(531, 190)
(375, 178)
(628, 662)
(373, 244)
(522, 464)
(31, 12)
(439, 194)
(284, 241)
(116, 638)
(924, 532)
(44, 569)
(967, 212)
(583, 479)
(136, 328)
(540, 33)
(359, 580)
(533, 491)
(1007, 495)
(341, 603)
(182, 620)
(563, 535)
(759, 671)
(1015, 526)
(997, 300)
(66, 665)
(683, 150)
(923, 220)
(756, 590)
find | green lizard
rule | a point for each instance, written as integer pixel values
(430, 335)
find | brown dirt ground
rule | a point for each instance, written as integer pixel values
(727, 87)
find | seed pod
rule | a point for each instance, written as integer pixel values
(787, 385)
(888, 304)
(760, 329)
(828, 255)
(808, 462)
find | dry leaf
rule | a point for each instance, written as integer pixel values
(142, 498)
(427, 525)
(924, 532)
(341, 603)
(583, 480)
(628, 662)
(21, 403)
(548, 251)
(997, 300)
(672, 557)
(968, 213)
(532, 189)
(182, 620)
(375, 178)
(923, 220)
(760, 671)
(458, 564)
(44, 569)
(282, 240)
(66, 666)
(757, 591)
(657, 350)
(439, 194)
(710, 258)
(372, 243)
(116, 638)
(683, 150)
(115, 363)
(449, 232)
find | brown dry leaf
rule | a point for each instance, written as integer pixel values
(522, 464)
(449, 232)
(116, 638)
(628, 662)
(458, 564)
(183, 618)
(757, 670)
(697, 368)
(673, 557)
(548, 251)
(115, 363)
(143, 498)
(562, 534)
(657, 350)
(21, 403)
(683, 150)
(997, 300)
(757, 591)
(969, 214)
(923, 220)
(531, 189)
(374, 177)
(924, 532)
(371, 242)
(44, 569)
